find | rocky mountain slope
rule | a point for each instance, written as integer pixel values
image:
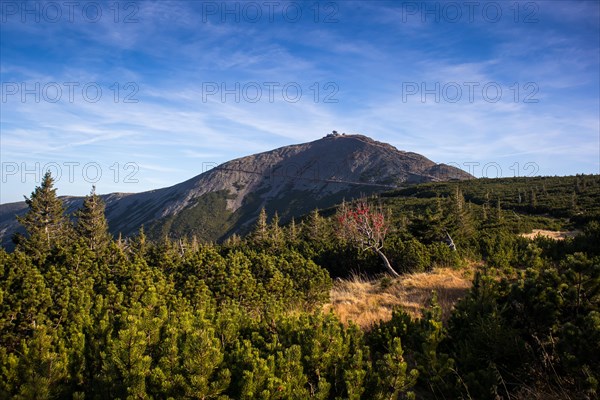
(291, 180)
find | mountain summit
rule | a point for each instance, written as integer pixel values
(291, 180)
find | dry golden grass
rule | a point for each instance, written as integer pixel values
(366, 302)
(556, 235)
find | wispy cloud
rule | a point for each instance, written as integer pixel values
(367, 52)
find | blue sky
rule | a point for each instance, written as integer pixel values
(497, 88)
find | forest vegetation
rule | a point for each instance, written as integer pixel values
(84, 315)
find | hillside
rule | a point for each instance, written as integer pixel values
(291, 180)
(261, 316)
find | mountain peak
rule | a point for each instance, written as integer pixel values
(343, 136)
(358, 138)
(292, 180)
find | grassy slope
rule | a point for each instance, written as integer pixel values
(366, 301)
(558, 203)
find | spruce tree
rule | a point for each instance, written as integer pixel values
(275, 232)
(460, 218)
(45, 222)
(315, 230)
(139, 245)
(260, 233)
(292, 233)
(499, 218)
(532, 201)
(91, 222)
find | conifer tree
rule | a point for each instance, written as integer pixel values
(275, 231)
(532, 200)
(91, 222)
(233, 240)
(41, 368)
(574, 206)
(45, 221)
(431, 225)
(499, 218)
(260, 229)
(139, 244)
(292, 232)
(316, 231)
(434, 367)
(395, 379)
(462, 224)
(315, 225)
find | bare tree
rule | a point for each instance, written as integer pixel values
(366, 228)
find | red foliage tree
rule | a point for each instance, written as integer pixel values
(366, 228)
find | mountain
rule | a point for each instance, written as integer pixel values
(292, 180)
